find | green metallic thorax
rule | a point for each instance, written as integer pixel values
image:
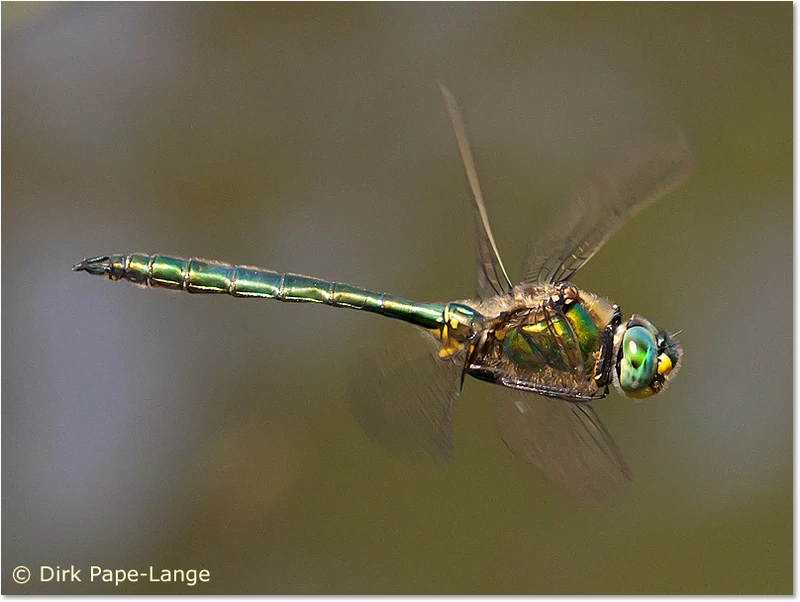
(550, 339)
(585, 329)
(560, 341)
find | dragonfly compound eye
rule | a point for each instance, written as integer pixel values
(639, 361)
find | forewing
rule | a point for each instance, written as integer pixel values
(601, 208)
(492, 276)
(404, 395)
(565, 440)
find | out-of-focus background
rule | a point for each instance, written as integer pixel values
(145, 428)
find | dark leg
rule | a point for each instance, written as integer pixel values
(605, 364)
(475, 350)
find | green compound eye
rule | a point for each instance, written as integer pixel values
(639, 361)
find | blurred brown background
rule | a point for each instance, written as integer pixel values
(144, 428)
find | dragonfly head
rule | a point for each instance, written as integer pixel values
(647, 358)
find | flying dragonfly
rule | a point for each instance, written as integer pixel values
(552, 347)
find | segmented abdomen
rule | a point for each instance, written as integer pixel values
(203, 276)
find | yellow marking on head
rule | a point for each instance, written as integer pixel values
(664, 364)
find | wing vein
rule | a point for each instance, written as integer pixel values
(501, 278)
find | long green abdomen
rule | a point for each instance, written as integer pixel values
(202, 276)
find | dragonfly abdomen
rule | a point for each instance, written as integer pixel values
(213, 277)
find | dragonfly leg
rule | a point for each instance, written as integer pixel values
(605, 363)
(475, 350)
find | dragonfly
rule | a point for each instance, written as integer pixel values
(552, 348)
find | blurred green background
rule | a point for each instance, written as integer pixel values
(144, 428)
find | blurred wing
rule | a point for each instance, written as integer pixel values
(601, 208)
(405, 395)
(566, 441)
(492, 277)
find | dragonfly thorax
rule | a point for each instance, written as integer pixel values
(550, 338)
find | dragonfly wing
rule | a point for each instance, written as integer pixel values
(610, 199)
(492, 277)
(404, 399)
(566, 441)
